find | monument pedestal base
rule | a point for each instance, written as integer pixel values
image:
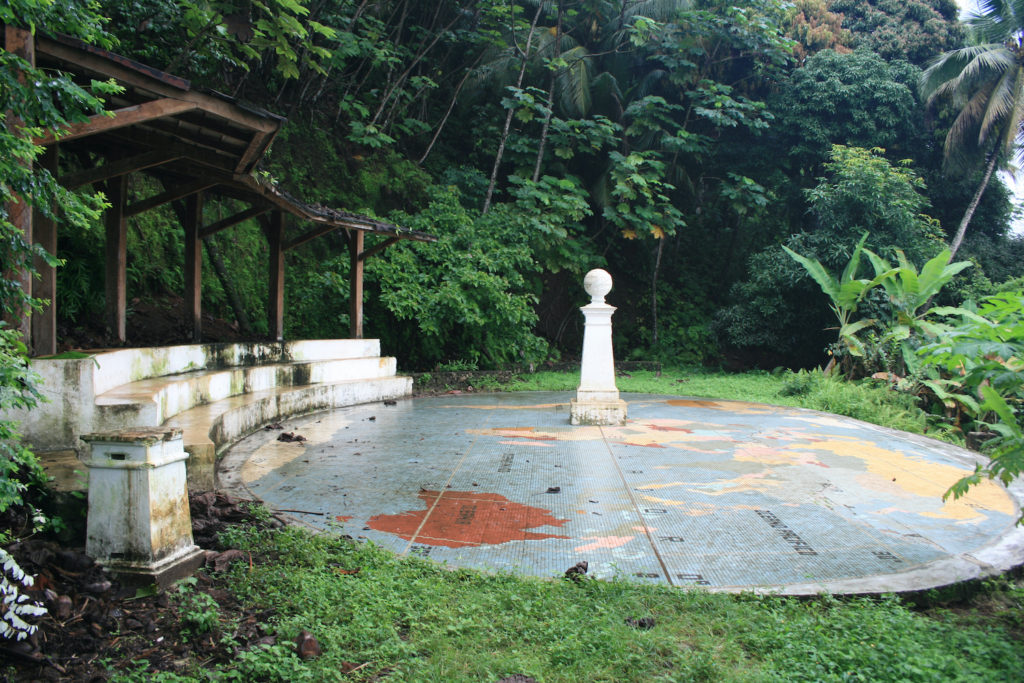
(163, 572)
(602, 413)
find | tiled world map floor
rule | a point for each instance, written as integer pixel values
(720, 494)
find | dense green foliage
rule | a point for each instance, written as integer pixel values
(32, 102)
(626, 143)
(468, 295)
(844, 205)
(914, 30)
(677, 144)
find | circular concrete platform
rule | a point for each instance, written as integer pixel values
(691, 492)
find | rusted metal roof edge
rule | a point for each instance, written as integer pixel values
(327, 216)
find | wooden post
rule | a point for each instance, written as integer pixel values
(194, 265)
(44, 232)
(20, 42)
(355, 307)
(275, 299)
(117, 257)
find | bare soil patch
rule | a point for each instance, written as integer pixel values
(96, 625)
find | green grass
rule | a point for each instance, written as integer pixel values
(868, 400)
(412, 620)
(68, 355)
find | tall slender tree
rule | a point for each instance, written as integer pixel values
(985, 82)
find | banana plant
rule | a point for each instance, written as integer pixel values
(909, 292)
(845, 292)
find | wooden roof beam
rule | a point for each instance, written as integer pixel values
(239, 217)
(190, 130)
(127, 116)
(168, 195)
(310, 235)
(108, 68)
(201, 155)
(376, 249)
(257, 146)
(120, 167)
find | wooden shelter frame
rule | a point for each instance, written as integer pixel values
(197, 144)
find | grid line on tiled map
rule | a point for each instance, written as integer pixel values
(451, 476)
(636, 507)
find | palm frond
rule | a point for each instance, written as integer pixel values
(945, 73)
(574, 83)
(648, 84)
(995, 21)
(606, 95)
(998, 105)
(996, 60)
(960, 138)
(1012, 130)
(659, 10)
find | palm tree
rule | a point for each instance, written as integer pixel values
(985, 81)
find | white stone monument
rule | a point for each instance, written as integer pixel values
(139, 524)
(597, 400)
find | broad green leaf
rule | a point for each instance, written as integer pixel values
(817, 272)
(998, 404)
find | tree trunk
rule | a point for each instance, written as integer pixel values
(229, 286)
(178, 206)
(511, 111)
(654, 293)
(444, 119)
(551, 98)
(972, 207)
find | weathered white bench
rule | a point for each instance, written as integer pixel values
(217, 393)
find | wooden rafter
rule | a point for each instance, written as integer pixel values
(253, 152)
(376, 249)
(127, 72)
(126, 116)
(239, 217)
(168, 195)
(203, 156)
(120, 167)
(310, 235)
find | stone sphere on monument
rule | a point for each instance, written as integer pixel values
(597, 283)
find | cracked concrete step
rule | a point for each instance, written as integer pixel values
(153, 400)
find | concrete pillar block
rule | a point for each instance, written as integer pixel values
(139, 524)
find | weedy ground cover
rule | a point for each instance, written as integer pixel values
(381, 617)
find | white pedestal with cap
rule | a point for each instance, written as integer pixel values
(139, 525)
(597, 399)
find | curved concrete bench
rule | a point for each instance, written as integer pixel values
(155, 400)
(208, 429)
(216, 392)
